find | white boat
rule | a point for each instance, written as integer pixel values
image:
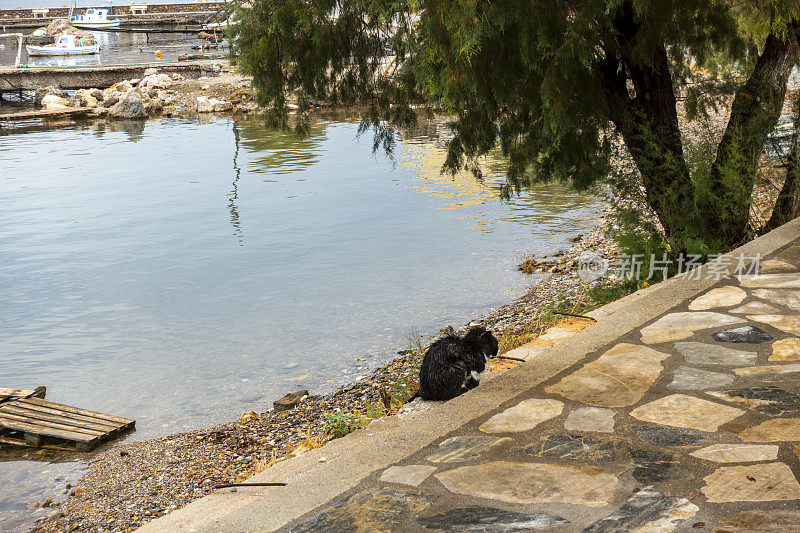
(64, 46)
(94, 19)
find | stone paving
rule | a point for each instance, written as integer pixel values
(690, 423)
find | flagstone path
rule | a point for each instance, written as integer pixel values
(690, 423)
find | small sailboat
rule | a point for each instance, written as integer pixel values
(65, 45)
(94, 19)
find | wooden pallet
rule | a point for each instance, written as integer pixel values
(46, 424)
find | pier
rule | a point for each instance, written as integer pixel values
(86, 77)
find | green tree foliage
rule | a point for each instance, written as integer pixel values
(549, 83)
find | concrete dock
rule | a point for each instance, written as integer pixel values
(32, 78)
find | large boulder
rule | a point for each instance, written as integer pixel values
(85, 98)
(212, 105)
(51, 101)
(115, 93)
(47, 91)
(156, 81)
(131, 106)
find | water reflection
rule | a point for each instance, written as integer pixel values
(234, 195)
(281, 152)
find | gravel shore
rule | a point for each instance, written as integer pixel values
(130, 484)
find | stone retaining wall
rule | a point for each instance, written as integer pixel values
(63, 12)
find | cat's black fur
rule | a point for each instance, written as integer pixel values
(452, 365)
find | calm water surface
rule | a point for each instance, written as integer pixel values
(183, 272)
(115, 49)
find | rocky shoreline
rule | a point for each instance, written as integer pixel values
(159, 93)
(128, 485)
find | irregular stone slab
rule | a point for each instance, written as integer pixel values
(489, 520)
(772, 401)
(786, 350)
(648, 511)
(720, 297)
(701, 353)
(776, 266)
(775, 430)
(618, 378)
(771, 281)
(412, 475)
(788, 298)
(684, 411)
(652, 466)
(755, 308)
(751, 483)
(755, 521)
(585, 449)
(526, 415)
(591, 419)
(370, 510)
(459, 449)
(661, 436)
(766, 369)
(737, 453)
(690, 378)
(678, 326)
(789, 324)
(532, 483)
(748, 334)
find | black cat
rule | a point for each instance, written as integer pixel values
(452, 365)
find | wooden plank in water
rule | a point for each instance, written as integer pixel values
(75, 410)
(45, 113)
(29, 414)
(50, 432)
(8, 419)
(61, 415)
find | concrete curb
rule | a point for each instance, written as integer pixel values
(317, 476)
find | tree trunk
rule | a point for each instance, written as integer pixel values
(648, 122)
(755, 110)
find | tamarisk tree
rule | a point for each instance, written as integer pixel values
(549, 82)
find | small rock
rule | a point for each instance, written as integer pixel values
(289, 401)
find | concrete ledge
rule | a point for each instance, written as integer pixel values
(317, 476)
(31, 78)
